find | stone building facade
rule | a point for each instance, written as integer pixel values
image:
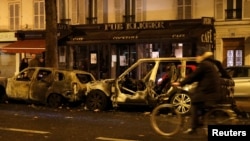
(230, 33)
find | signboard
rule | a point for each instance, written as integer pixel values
(7, 36)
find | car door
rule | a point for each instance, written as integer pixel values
(241, 78)
(133, 89)
(18, 87)
(41, 83)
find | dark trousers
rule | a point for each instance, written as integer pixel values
(196, 109)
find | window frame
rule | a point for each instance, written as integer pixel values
(14, 16)
(39, 14)
(184, 9)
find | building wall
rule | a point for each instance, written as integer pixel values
(203, 8)
(112, 11)
(160, 10)
(4, 23)
(8, 64)
(232, 30)
(27, 16)
(150, 10)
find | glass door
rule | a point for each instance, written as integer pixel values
(127, 55)
(234, 57)
(233, 52)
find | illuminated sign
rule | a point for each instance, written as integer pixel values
(207, 37)
(207, 21)
(61, 26)
(125, 37)
(134, 26)
(78, 39)
(7, 36)
(178, 35)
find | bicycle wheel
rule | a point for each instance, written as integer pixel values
(219, 117)
(165, 121)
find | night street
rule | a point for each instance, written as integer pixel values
(105, 54)
(22, 122)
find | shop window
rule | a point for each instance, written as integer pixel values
(178, 50)
(62, 54)
(127, 56)
(93, 58)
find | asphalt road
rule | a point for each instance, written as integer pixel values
(243, 105)
(25, 122)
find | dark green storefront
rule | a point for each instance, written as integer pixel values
(107, 49)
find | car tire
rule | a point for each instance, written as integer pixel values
(96, 100)
(55, 100)
(182, 103)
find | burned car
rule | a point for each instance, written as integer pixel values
(144, 83)
(48, 86)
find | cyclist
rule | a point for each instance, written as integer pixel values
(208, 87)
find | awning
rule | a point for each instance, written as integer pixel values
(147, 36)
(4, 44)
(191, 33)
(25, 46)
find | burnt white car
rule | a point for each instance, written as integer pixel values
(49, 86)
(143, 83)
(139, 85)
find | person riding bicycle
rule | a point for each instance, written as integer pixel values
(208, 87)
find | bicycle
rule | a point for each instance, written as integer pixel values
(165, 121)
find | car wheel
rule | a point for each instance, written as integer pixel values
(181, 102)
(55, 100)
(97, 100)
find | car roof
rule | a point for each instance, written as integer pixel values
(72, 70)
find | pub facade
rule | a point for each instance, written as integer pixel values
(106, 50)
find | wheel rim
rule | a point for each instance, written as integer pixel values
(96, 100)
(182, 103)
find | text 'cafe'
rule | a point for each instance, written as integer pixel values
(109, 48)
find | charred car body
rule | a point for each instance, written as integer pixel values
(147, 82)
(144, 83)
(46, 85)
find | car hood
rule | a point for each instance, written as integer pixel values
(102, 84)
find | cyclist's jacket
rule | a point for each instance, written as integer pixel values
(208, 78)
